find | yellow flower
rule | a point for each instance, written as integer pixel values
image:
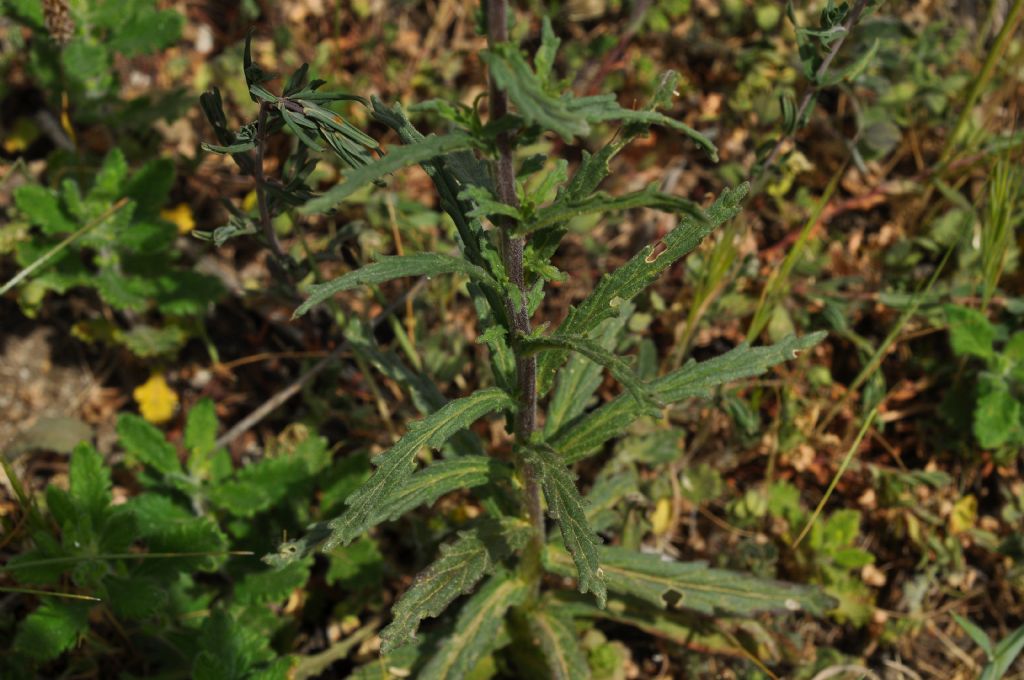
(661, 518)
(181, 215)
(156, 400)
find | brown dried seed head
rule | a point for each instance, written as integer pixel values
(58, 21)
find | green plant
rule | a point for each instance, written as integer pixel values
(998, 405)
(502, 557)
(111, 238)
(1001, 655)
(156, 569)
(91, 223)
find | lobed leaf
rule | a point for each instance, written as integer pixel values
(51, 629)
(395, 466)
(147, 444)
(566, 506)
(693, 585)
(637, 274)
(411, 154)
(89, 483)
(476, 628)
(462, 564)
(559, 644)
(388, 268)
(263, 484)
(273, 585)
(578, 439)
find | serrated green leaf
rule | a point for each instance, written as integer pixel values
(476, 628)
(261, 485)
(508, 68)
(147, 444)
(395, 267)
(273, 585)
(89, 483)
(564, 209)
(997, 415)
(620, 370)
(149, 187)
(559, 644)
(435, 480)
(970, 332)
(201, 427)
(395, 466)
(693, 585)
(566, 506)
(135, 598)
(476, 553)
(637, 274)
(51, 629)
(229, 650)
(358, 566)
(41, 207)
(411, 154)
(144, 340)
(110, 178)
(186, 537)
(577, 440)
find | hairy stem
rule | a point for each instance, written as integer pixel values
(512, 248)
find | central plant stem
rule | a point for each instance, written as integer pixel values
(512, 248)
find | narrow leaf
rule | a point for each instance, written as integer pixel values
(513, 75)
(637, 274)
(559, 644)
(395, 466)
(566, 209)
(693, 585)
(388, 268)
(435, 480)
(619, 369)
(580, 377)
(461, 565)
(605, 108)
(1003, 656)
(476, 629)
(579, 439)
(566, 506)
(404, 156)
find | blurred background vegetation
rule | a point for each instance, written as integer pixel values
(889, 216)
